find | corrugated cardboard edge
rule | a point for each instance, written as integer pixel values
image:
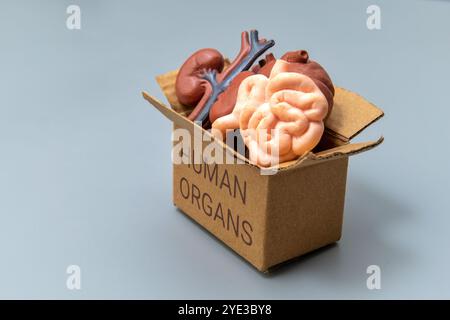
(349, 149)
(345, 150)
(351, 114)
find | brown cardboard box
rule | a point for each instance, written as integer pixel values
(271, 218)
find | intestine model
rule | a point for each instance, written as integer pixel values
(281, 116)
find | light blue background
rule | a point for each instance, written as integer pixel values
(85, 172)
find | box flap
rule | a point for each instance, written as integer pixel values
(345, 150)
(167, 84)
(310, 158)
(167, 112)
(349, 149)
(188, 124)
(350, 115)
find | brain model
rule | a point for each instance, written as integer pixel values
(281, 116)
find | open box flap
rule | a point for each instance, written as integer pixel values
(167, 84)
(349, 149)
(310, 158)
(350, 115)
(345, 150)
(184, 122)
(169, 113)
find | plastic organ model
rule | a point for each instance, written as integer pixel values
(279, 105)
(204, 79)
(280, 117)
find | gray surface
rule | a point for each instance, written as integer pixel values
(85, 173)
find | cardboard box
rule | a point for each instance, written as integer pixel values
(271, 218)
